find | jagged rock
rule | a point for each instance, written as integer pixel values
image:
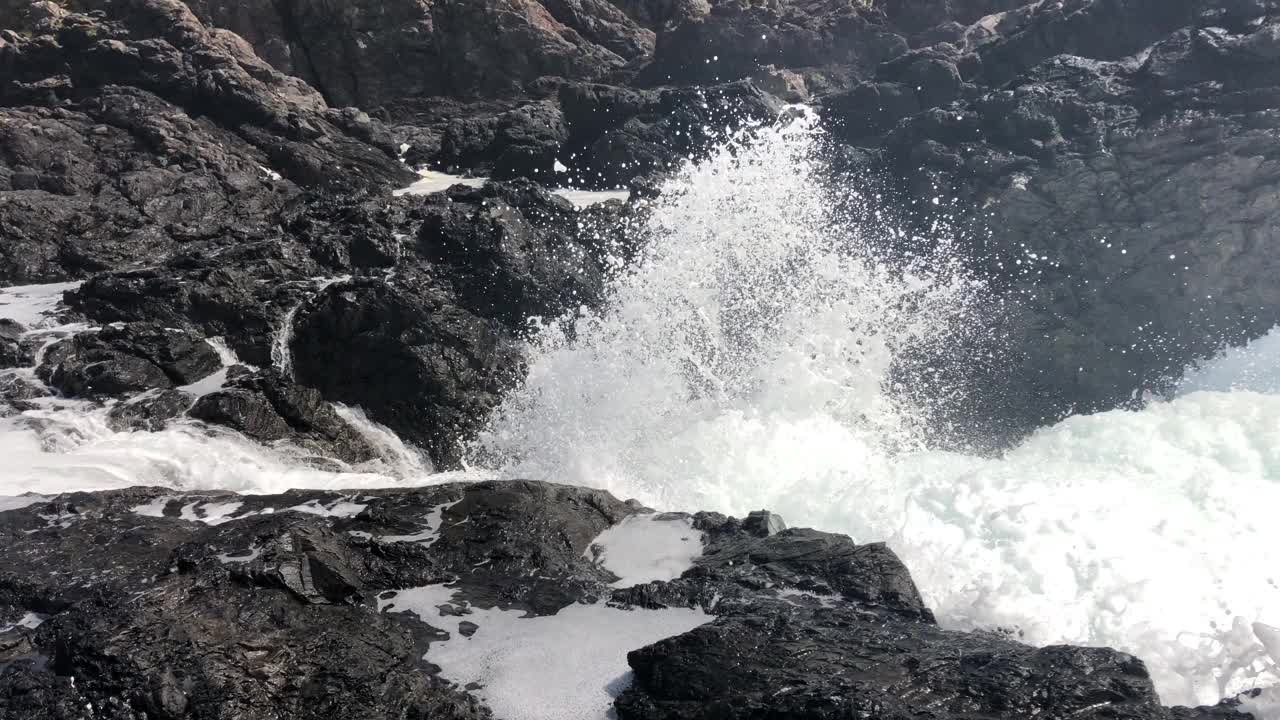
(1120, 208)
(619, 134)
(268, 407)
(374, 53)
(125, 359)
(129, 131)
(523, 142)
(786, 85)
(736, 38)
(15, 392)
(414, 360)
(777, 673)
(150, 411)
(156, 602)
(13, 352)
(514, 251)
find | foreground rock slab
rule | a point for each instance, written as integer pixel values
(151, 603)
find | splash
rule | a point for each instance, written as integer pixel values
(747, 361)
(282, 338)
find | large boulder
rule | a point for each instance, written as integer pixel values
(269, 408)
(409, 356)
(127, 359)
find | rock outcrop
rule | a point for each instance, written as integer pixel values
(124, 138)
(1120, 206)
(144, 603)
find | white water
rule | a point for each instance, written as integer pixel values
(432, 182)
(282, 339)
(569, 665)
(743, 366)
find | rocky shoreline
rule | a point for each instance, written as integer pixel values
(149, 603)
(212, 186)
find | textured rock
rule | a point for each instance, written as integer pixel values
(125, 136)
(737, 38)
(415, 361)
(1121, 208)
(150, 411)
(267, 407)
(369, 54)
(13, 351)
(127, 359)
(157, 603)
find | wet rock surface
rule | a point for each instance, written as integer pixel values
(152, 603)
(1115, 197)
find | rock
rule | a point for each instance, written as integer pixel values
(1116, 205)
(124, 359)
(737, 38)
(371, 54)
(618, 134)
(287, 605)
(267, 407)
(123, 137)
(514, 251)
(98, 373)
(16, 390)
(414, 360)
(786, 85)
(874, 666)
(13, 352)
(149, 412)
(522, 142)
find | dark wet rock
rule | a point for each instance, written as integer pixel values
(157, 602)
(130, 131)
(515, 251)
(427, 349)
(1087, 28)
(1122, 209)
(521, 142)
(150, 411)
(13, 351)
(954, 674)
(410, 357)
(16, 392)
(368, 54)
(268, 407)
(121, 360)
(618, 134)
(588, 135)
(736, 39)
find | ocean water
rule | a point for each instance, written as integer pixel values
(744, 362)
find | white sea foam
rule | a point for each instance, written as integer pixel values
(33, 305)
(67, 446)
(432, 182)
(647, 548)
(218, 379)
(31, 621)
(568, 665)
(745, 364)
